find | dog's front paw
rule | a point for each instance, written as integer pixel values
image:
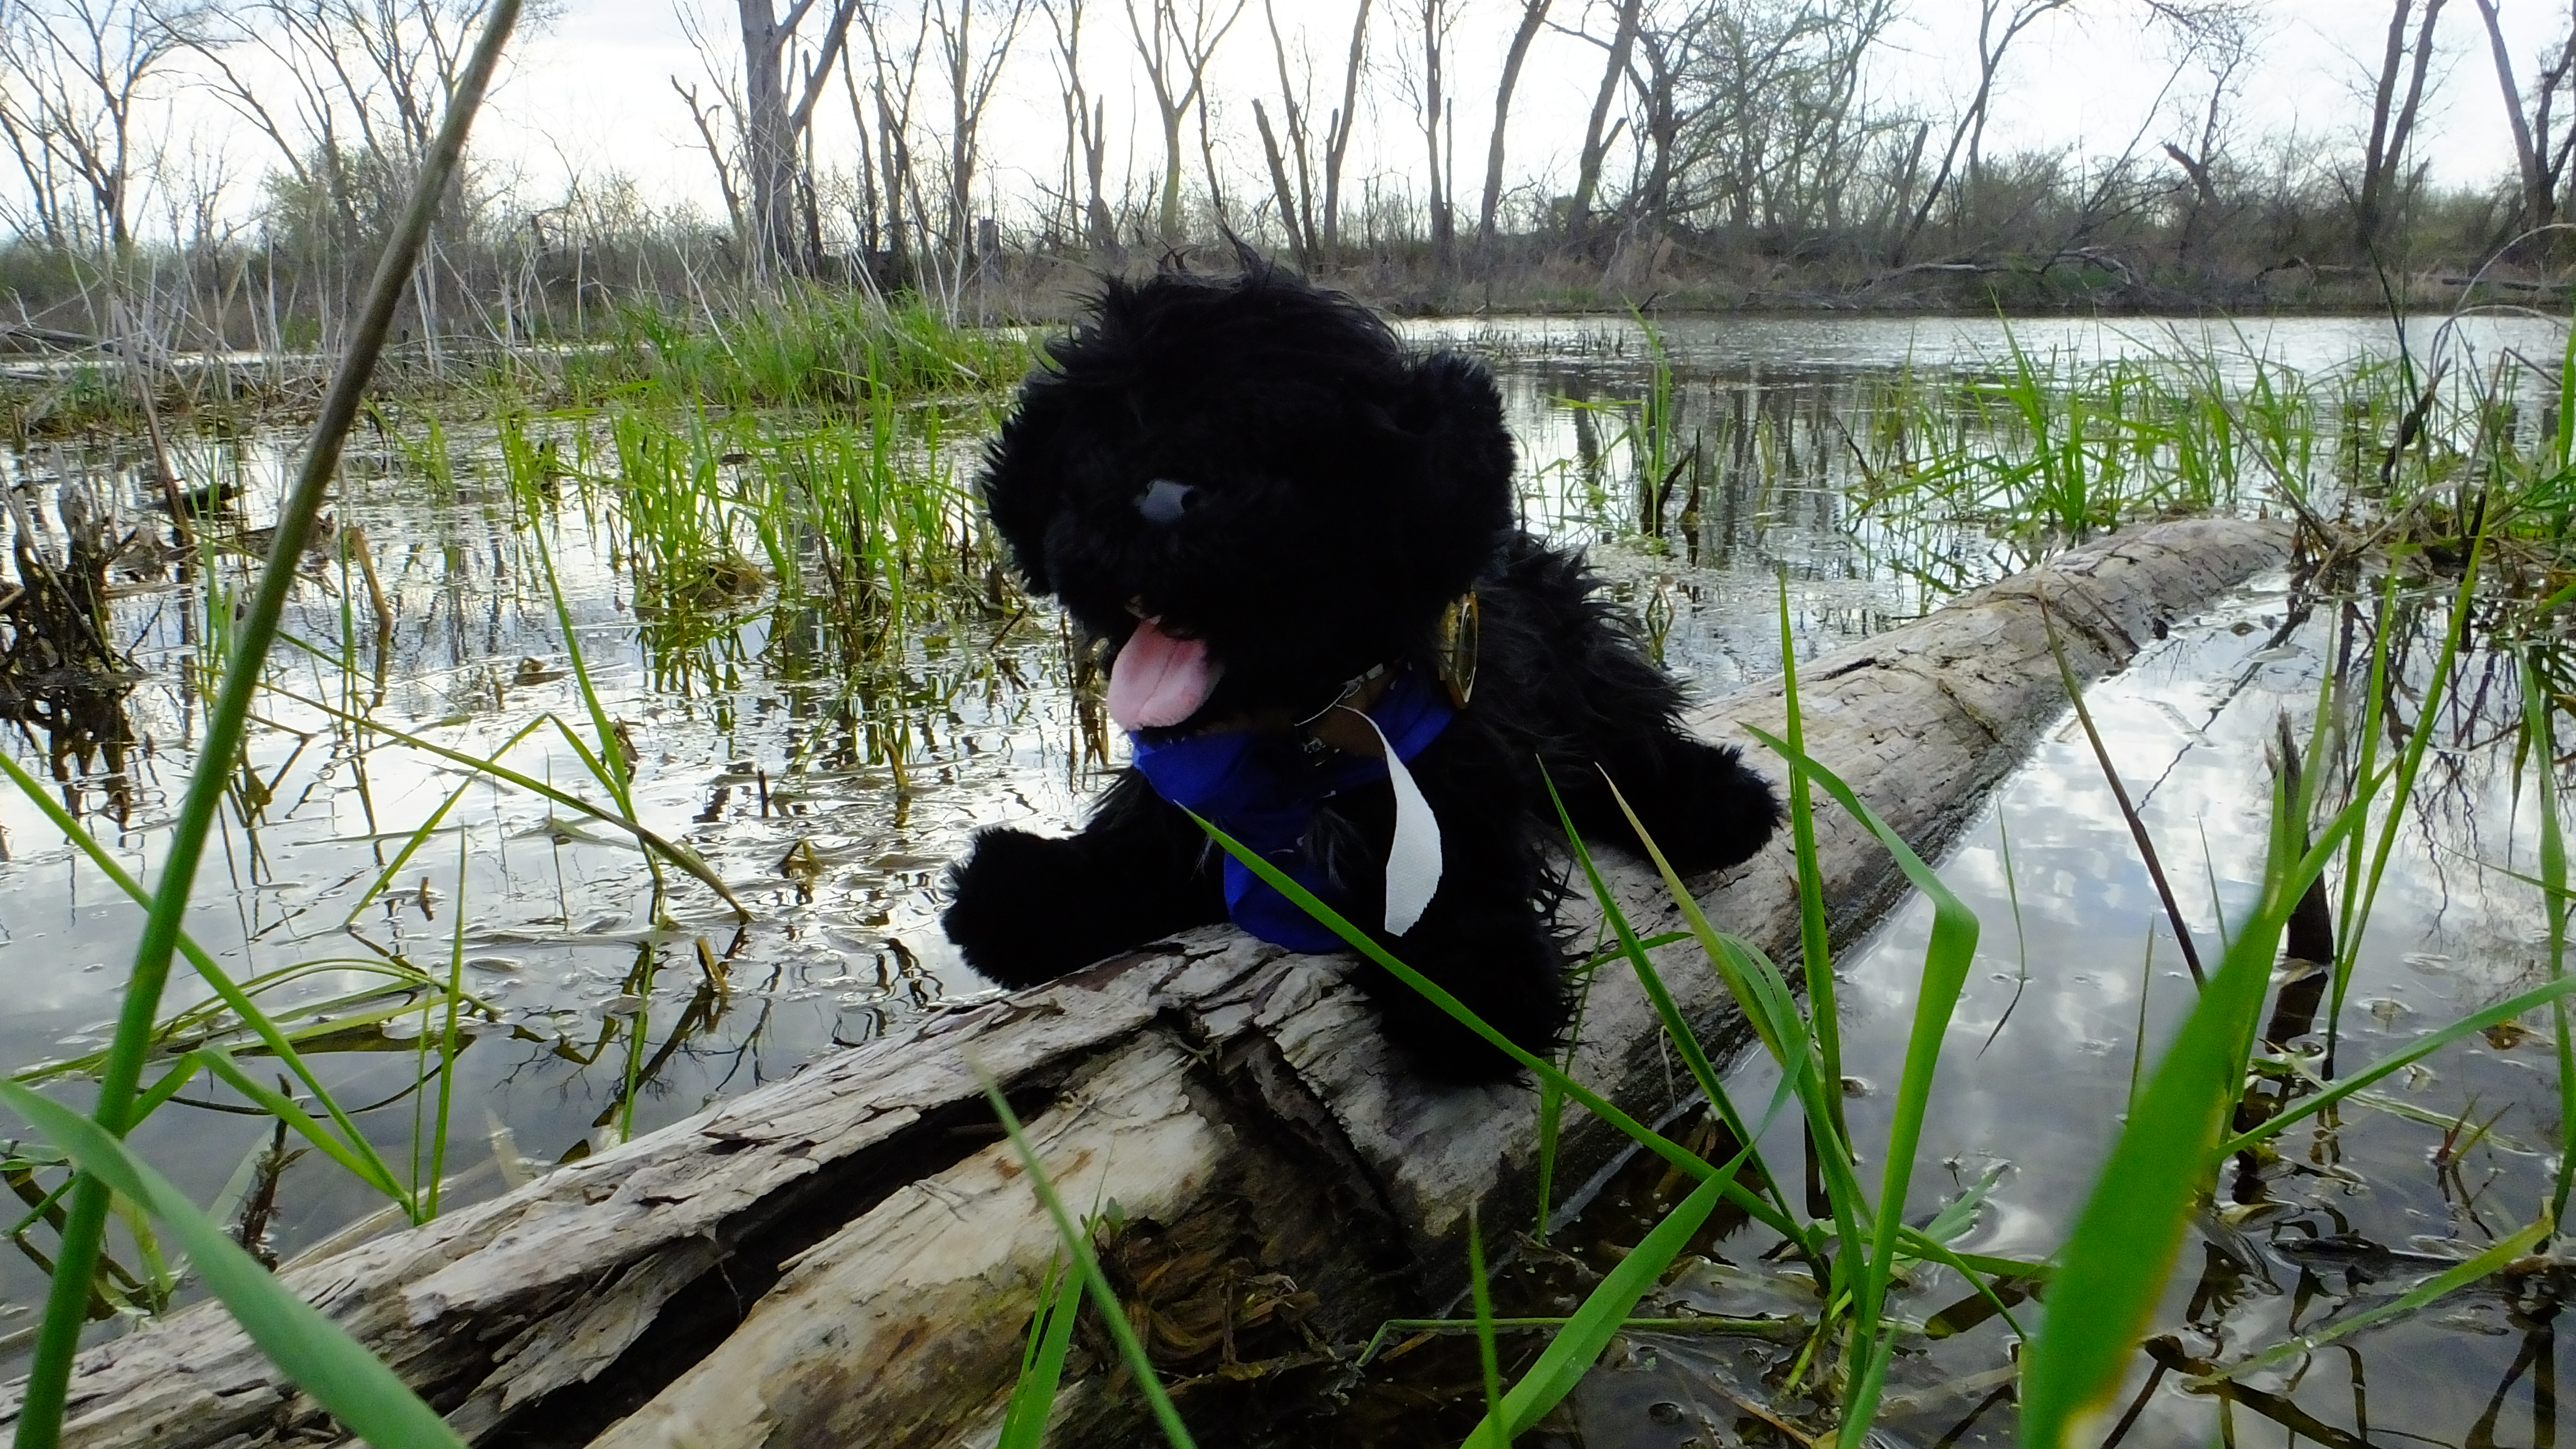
(1503, 968)
(1709, 811)
(1017, 909)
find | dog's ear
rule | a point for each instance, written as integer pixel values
(1021, 468)
(1450, 402)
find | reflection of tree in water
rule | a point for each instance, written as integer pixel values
(59, 672)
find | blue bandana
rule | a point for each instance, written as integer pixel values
(1259, 787)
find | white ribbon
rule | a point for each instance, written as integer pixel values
(1413, 860)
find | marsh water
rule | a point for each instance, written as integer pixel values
(828, 780)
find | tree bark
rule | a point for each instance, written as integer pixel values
(2530, 150)
(1596, 143)
(1337, 138)
(1970, 132)
(850, 1256)
(2392, 124)
(1285, 195)
(774, 124)
(1444, 226)
(1297, 210)
(1533, 13)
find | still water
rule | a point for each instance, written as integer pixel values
(830, 795)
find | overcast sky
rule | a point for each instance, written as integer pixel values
(592, 93)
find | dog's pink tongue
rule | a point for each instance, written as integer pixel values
(1158, 680)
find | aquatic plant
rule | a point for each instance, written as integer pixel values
(361, 1390)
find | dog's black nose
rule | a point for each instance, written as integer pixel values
(1164, 501)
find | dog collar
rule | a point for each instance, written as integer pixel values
(1263, 787)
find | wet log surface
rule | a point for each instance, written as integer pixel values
(851, 1256)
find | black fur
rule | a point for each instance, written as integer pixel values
(1345, 492)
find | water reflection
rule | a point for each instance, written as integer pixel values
(826, 744)
(2080, 983)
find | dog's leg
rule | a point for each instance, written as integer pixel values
(1577, 688)
(1026, 908)
(1700, 804)
(1483, 941)
(1483, 938)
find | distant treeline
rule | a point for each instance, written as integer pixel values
(1734, 155)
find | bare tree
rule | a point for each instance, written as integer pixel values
(2222, 37)
(1597, 132)
(2392, 120)
(1297, 202)
(72, 75)
(1176, 52)
(895, 75)
(1337, 136)
(704, 116)
(1432, 22)
(777, 122)
(972, 70)
(1998, 25)
(1086, 129)
(2539, 159)
(1751, 113)
(1664, 49)
(1533, 14)
(364, 82)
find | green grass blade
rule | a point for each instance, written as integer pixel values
(1815, 944)
(1485, 1357)
(2114, 1266)
(1947, 956)
(351, 1383)
(2556, 992)
(1677, 1028)
(369, 1165)
(1600, 1106)
(429, 827)
(1919, 1244)
(246, 644)
(2540, 747)
(678, 854)
(277, 1104)
(1578, 1345)
(2410, 760)
(447, 1048)
(2450, 1280)
(1078, 1244)
(1042, 1365)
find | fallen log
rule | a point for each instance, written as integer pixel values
(852, 1256)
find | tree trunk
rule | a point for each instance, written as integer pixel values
(775, 124)
(2537, 185)
(1596, 142)
(1337, 138)
(1970, 132)
(2392, 124)
(1095, 156)
(1285, 195)
(768, 146)
(850, 1256)
(1297, 209)
(1444, 228)
(1533, 13)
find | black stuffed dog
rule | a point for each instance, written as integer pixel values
(1299, 540)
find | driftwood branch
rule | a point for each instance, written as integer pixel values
(850, 1256)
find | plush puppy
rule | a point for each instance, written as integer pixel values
(1298, 539)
